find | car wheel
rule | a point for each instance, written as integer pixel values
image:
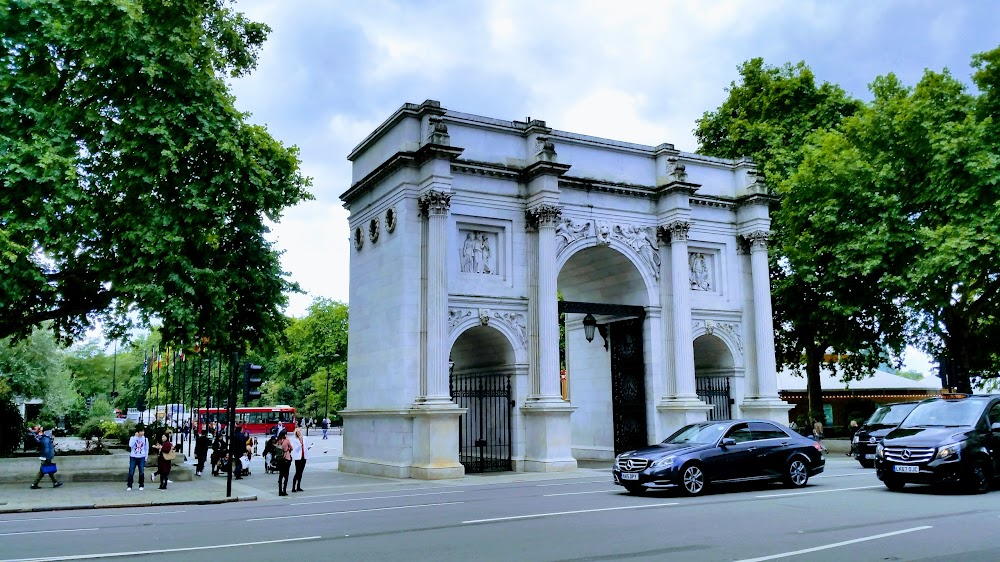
(893, 484)
(635, 489)
(979, 478)
(796, 473)
(867, 463)
(693, 480)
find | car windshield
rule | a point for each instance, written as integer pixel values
(697, 434)
(945, 413)
(890, 415)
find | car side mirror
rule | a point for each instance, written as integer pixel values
(727, 442)
(995, 427)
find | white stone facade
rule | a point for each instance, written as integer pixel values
(466, 228)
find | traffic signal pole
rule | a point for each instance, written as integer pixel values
(231, 416)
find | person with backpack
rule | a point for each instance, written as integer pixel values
(47, 447)
(201, 445)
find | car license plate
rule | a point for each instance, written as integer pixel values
(899, 468)
(630, 476)
(870, 456)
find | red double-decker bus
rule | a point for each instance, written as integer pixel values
(256, 420)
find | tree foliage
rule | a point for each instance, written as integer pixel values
(822, 309)
(130, 186)
(910, 187)
(29, 364)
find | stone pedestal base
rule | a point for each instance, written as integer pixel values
(677, 411)
(764, 408)
(547, 437)
(435, 443)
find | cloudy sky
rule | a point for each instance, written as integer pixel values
(638, 71)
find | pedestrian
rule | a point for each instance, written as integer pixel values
(237, 449)
(165, 454)
(138, 447)
(218, 450)
(817, 432)
(201, 446)
(300, 452)
(852, 428)
(47, 446)
(326, 426)
(284, 462)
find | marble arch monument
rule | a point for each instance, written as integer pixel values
(466, 230)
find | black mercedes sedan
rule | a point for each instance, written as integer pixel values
(869, 435)
(728, 450)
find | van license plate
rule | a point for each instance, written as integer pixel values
(899, 468)
(870, 456)
(630, 476)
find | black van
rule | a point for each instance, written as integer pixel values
(951, 439)
(869, 435)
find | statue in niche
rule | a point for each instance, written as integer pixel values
(699, 274)
(476, 253)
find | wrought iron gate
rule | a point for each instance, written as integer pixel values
(715, 391)
(628, 385)
(485, 429)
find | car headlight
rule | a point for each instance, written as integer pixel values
(880, 450)
(854, 440)
(665, 462)
(949, 450)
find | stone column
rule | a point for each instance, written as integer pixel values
(434, 382)
(767, 385)
(681, 303)
(545, 218)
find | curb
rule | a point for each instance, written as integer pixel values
(123, 505)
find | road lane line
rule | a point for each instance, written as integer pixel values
(575, 482)
(351, 511)
(843, 475)
(578, 493)
(818, 491)
(90, 516)
(836, 544)
(379, 497)
(537, 515)
(160, 551)
(51, 531)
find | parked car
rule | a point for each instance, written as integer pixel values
(700, 454)
(953, 439)
(869, 435)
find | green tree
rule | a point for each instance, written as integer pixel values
(11, 425)
(29, 364)
(130, 186)
(842, 322)
(910, 187)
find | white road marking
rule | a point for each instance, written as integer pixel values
(379, 497)
(842, 475)
(159, 551)
(577, 493)
(836, 544)
(573, 483)
(818, 491)
(90, 516)
(351, 511)
(536, 515)
(52, 531)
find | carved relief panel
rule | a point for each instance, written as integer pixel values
(478, 251)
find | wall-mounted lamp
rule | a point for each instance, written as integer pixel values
(589, 323)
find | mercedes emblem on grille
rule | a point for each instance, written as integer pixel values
(871, 439)
(906, 454)
(628, 464)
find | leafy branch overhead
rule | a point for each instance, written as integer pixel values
(130, 182)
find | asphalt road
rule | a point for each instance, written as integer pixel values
(844, 514)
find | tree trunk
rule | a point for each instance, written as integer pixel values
(814, 356)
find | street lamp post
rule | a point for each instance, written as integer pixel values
(326, 410)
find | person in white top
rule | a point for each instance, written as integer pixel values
(138, 447)
(300, 453)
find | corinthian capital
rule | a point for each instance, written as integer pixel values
(435, 202)
(676, 231)
(758, 240)
(543, 215)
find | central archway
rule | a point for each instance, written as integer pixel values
(606, 378)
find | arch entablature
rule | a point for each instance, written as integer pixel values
(510, 323)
